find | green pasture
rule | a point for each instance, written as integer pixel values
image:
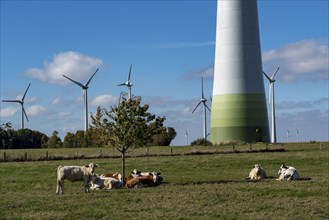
(206, 186)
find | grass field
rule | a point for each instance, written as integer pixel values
(209, 186)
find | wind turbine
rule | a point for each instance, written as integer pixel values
(205, 107)
(85, 95)
(128, 83)
(22, 105)
(186, 137)
(271, 97)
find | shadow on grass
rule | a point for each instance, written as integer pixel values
(210, 182)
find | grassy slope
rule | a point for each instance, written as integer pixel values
(196, 187)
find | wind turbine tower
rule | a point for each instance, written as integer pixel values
(205, 107)
(128, 83)
(239, 103)
(21, 101)
(271, 98)
(85, 95)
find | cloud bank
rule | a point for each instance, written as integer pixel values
(307, 59)
(70, 63)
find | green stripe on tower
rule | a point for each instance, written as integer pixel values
(235, 117)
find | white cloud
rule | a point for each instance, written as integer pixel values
(206, 73)
(35, 110)
(8, 112)
(307, 59)
(70, 63)
(104, 100)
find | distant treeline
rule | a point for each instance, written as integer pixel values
(29, 139)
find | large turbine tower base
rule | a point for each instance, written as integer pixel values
(239, 110)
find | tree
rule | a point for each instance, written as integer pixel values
(165, 137)
(54, 141)
(128, 125)
(69, 140)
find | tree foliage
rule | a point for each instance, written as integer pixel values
(128, 125)
(21, 139)
(201, 142)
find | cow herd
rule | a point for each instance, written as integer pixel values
(138, 179)
(107, 181)
(285, 173)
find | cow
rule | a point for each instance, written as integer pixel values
(257, 173)
(113, 175)
(74, 173)
(140, 179)
(287, 173)
(102, 182)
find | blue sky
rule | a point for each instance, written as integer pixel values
(170, 45)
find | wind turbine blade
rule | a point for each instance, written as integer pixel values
(207, 107)
(122, 84)
(120, 99)
(275, 73)
(79, 84)
(210, 98)
(269, 79)
(196, 107)
(26, 92)
(11, 101)
(270, 93)
(91, 77)
(25, 114)
(129, 73)
(202, 88)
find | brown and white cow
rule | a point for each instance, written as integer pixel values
(140, 179)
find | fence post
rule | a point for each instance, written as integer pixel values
(171, 151)
(4, 156)
(233, 146)
(101, 153)
(46, 155)
(25, 156)
(250, 147)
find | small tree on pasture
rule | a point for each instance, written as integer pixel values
(129, 125)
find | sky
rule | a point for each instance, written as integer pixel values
(170, 45)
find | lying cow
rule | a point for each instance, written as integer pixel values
(288, 173)
(102, 182)
(113, 175)
(257, 173)
(74, 173)
(140, 179)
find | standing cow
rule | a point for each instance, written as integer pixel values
(74, 173)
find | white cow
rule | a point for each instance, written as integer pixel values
(288, 173)
(74, 173)
(100, 182)
(257, 173)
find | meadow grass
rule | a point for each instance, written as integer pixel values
(195, 187)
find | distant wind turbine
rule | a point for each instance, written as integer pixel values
(288, 135)
(297, 133)
(128, 83)
(205, 107)
(22, 105)
(186, 137)
(85, 95)
(271, 98)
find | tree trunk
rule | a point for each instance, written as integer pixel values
(123, 166)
